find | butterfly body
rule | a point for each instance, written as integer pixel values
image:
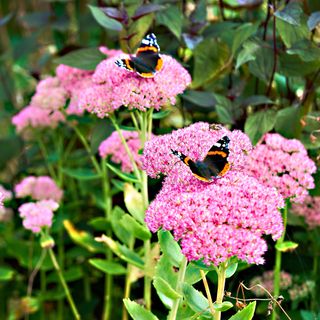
(147, 61)
(214, 165)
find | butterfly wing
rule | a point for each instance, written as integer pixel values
(147, 60)
(127, 64)
(217, 158)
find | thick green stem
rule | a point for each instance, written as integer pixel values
(221, 271)
(277, 266)
(64, 285)
(181, 275)
(107, 211)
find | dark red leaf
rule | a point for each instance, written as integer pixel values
(146, 9)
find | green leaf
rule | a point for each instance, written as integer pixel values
(172, 18)
(99, 223)
(290, 34)
(10, 147)
(137, 312)
(262, 66)
(224, 109)
(224, 306)
(290, 14)
(164, 288)
(118, 228)
(259, 123)
(170, 247)
(196, 300)
(256, 100)
(193, 274)
(306, 50)
(125, 176)
(74, 273)
(200, 98)
(108, 267)
(313, 20)
(161, 114)
(122, 251)
(134, 202)
(83, 238)
(245, 314)
(244, 32)
(85, 59)
(6, 273)
(286, 246)
(211, 58)
(287, 115)
(81, 174)
(248, 53)
(104, 20)
(137, 230)
(231, 270)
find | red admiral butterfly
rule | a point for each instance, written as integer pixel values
(214, 165)
(147, 60)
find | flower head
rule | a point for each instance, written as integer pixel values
(74, 81)
(37, 215)
(218, 220)
(114, 87)
(194, 141)
(39, 188)
(5, 213)
(33, 117)
(267, 279)
(310, 210)
(114, 147)
(284, 164)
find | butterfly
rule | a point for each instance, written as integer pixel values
(147, 61)
(214, 165)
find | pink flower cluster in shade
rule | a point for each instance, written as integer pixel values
(267, 279)
(114, 87)
(1, 200)
(284, 164)
(194, 142)
(74, 81)
(33, 117)
(38, 188)
(310, 210)
(5, 213)
(114, 147)
(213, 221)
(110, 52)
(37, 215)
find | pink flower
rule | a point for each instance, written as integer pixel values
(216, 221)
(110, 52)
(114, 147)
(1, 200)
(284, 164)
(37, 215)
(7, 195)
(49, 95)
(266, 280)
(114, 87)
(310, 210)
(33, 117)
(5, 213)
(74, 81)
(194, 141)
(39, 188)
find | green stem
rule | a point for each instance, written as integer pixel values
(44, 152)
(64, 285)
(107, 210)
(181, 275)
(43, 286)
(278, 258)
(221, 271)
(315, 273)
(124, 142)
(87, 147)
(206, 287)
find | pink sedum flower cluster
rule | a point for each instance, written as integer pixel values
(310, 210)
(33, 117)
(74, 81)
(110, 52)
(213, 221)
(284, 164)
(39, 188)
(5, 213)
(114, 147)
(114, 87)
(267, 280)
(37, 215)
